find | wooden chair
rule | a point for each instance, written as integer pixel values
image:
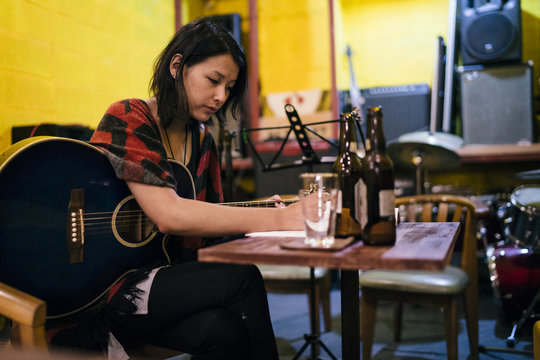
(296, 279)
(28, 318)
(441, 289)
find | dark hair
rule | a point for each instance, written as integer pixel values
(196, 42)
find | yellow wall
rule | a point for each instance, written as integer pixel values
(393, 41)
(65, 61)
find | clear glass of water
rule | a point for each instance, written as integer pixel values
(318, 194)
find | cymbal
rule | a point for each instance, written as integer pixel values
(528, 175)
(430, 151)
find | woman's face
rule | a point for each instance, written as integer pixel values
(208, 85)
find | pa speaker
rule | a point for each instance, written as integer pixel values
(497, 104)
(490, 31)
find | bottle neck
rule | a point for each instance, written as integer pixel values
(347, 137)
(375, 140)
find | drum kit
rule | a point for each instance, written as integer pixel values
(509, 224)
(514, 262)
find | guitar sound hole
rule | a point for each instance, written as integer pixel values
(130, 225)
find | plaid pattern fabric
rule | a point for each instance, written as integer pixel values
(132, 143)
(131, 140)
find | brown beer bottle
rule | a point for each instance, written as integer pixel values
(378, 198)
(348, 166)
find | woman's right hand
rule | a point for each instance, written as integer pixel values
(294, 218)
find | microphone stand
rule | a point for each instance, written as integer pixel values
(309, 159)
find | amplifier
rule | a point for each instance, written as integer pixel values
(405, 107)
(497, 104)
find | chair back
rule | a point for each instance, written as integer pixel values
(445, 208)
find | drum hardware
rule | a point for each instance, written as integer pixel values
(523, 229)
(484, 349)
(514, 266)
(527, 314)
(523, 222)
(425, 151)
(528, 175)
(515, 275)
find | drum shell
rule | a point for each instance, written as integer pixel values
(514, 275)
(523, 225)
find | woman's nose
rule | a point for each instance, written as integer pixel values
(221, 94)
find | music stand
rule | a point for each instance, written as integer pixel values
(309, 158)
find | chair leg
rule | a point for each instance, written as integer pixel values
(26, 335)
(398, 320)
(451, 324)
(471, 317)
(368, 312)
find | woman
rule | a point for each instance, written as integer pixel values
(213, 311)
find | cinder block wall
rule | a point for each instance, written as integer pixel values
(393, 41)
(65, 61)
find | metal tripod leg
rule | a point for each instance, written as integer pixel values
(511, 340)
(313, 338)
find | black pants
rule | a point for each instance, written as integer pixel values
(209, 310)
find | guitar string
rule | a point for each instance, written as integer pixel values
(126, 217)
(267, 203)
(123, 219)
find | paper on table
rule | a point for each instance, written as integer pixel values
(300, 233)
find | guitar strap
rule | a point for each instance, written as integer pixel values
(193, 163)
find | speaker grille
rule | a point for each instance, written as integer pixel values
(497, 104)
(490, 31)
(490, 36)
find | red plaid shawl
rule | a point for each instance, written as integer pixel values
(132, 143)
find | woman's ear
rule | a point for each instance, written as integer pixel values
(174, 64)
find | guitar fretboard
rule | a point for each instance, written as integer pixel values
(261, 203)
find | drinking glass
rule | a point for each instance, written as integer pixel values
(318, 194)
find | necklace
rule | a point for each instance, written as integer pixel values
(170, 147)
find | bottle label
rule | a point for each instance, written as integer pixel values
(360, 190)
(387, 203)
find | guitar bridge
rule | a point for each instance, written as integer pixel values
(75, 226)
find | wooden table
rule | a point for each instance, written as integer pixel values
(419, 246)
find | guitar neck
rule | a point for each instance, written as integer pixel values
(259, 203)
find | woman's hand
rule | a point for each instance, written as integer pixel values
(278, 201)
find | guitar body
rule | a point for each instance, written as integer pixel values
(37, 176)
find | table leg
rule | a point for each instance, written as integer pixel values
(350, 315)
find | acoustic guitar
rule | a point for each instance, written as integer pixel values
(69, 227)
